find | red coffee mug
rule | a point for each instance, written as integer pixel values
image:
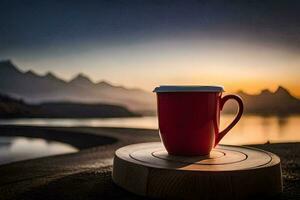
(189, 118)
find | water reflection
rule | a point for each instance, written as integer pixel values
(252, 129)
(21, 148)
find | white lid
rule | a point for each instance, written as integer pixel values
(192, 88)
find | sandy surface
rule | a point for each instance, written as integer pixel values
(87, 174)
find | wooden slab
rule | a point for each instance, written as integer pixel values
(233, 172)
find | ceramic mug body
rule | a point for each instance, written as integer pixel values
(189, 118)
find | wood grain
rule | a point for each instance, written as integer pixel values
(233, 172)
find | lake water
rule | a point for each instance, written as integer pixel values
(252, 129)
(21, 148)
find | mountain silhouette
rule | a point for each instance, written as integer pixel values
(36, 88)
(81, 80)
(280, 102)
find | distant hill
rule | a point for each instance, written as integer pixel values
(280, 102)
(13, 108)
(35, 88)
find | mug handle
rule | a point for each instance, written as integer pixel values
(237, 117)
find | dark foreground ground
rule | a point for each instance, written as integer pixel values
(87, 174)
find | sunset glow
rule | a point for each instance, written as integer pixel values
(250, 67)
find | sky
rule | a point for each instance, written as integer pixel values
(242, 45)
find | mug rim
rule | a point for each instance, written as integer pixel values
(188, 88)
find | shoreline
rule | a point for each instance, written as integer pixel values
(86, 174)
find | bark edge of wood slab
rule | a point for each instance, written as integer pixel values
(235, 172)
